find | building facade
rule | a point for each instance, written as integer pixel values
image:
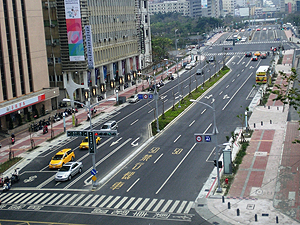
(114, 43)
(24, 84)
(180, 6)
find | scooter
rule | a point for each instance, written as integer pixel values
(6, 185)
(45, 130)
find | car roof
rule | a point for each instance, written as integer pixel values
(64, 150)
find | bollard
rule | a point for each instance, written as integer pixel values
(276, 219)
(268, 107)
(277, 108)
(228, 205)
(261, 123)
(238, 212)
(255, 217)
(223, 199)
(270, 121)
(254, 125)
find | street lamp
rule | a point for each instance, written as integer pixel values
(89, 107)
(156, 96)
(215, 132)
(179, 106)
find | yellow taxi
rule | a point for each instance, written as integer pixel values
(61, 157)
(257, 53)
(85, 143)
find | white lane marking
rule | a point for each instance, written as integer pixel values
(220, 92)
(237, 91)
(151, 110)
(158, 157)
(213, 150)
(175, 169)
(132, 185)
(240, 60)
(233, 80)
(177, 138)
(227, 86)
(207, 128)
(192, 123)
(238, 75)
(134, 122)
(203, 111)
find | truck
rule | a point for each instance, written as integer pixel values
(262, 75)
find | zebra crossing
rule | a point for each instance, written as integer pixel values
(96, 202)
(222, 53)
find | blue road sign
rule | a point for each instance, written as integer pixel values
(140, 96)
(150, 96)
(93, 172)
(207, 138)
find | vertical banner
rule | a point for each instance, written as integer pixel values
(89, 46)
(115, 70)
(89, 74)
(105, 73)
(131, 63)
(74, 30)
(96, 75)
(123, 67)
(137, 63)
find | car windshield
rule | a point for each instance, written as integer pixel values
(57, 157)
(105, 127)
(64, 168)
(132, 96)
(85, 140)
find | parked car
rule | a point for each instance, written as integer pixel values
(193, 63)
(61, 157)
(85, 143)
(199, 72)
(254, 58)
(110, 125)
(263, 55)
(133, 98)
(67, 171)
(188, 67)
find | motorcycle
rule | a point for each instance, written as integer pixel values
(6, 184)
(45, 129)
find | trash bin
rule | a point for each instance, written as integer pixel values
(122, 99)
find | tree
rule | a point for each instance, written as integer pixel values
(160, 48)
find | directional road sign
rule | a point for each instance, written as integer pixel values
(203, 138)
(145, 96)
(93, 172)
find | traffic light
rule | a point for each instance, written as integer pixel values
(102, 134)
(220, 164)
(91, 142)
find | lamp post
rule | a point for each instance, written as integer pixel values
(117, 93)
(215, 132)
(89, 108)
(179, 106)
(156, 96)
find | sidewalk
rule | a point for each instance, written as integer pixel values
(266, 186)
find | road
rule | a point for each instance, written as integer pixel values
(160, 181)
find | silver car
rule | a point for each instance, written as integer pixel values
(68, 170)
(133, 98)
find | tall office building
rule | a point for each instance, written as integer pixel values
(24, 84)
(99, 45)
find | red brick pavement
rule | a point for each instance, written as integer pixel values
(251, 171)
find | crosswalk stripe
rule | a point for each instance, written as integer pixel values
(120, 202)
(42, 198)
(188, 208)
(55, 199)
(106, 201)
(113, 202)
(30, 197)
(10, 197)
(62, 199)
(143, 204)
(91, 200)
(151, 204)
(15, 198)
(20, 199)
(99, 200)
(4, 195)
(181, 206)
(49, 198)
(35, 198)
(166, 206)
(77, 200)
(136, 203)
(158, 205)
(128, 203)
(70, 199)
(174, 206)
(85, 199)
(7, 197)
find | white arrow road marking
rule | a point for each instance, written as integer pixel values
(88, 181)
(225, 97)
(135, 144)
(208, 97)
(212, 101)
(115, 142)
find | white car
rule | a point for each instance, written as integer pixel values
(193, 63)
(68, 170)
(188, 67)
(133, 98)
